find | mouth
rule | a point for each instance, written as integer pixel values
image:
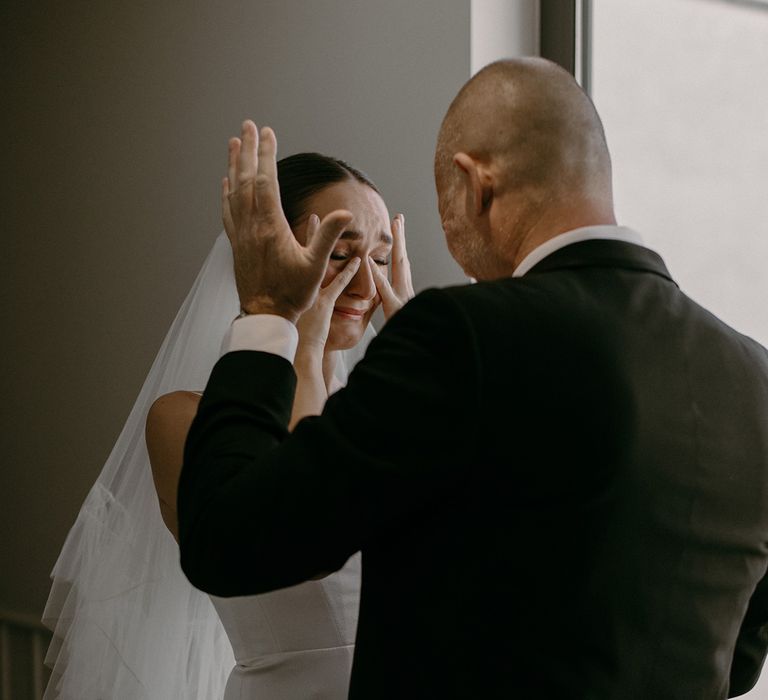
(351, 314)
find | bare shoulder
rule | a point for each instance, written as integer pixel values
(167, 426)
(172, 413)
(175, 401)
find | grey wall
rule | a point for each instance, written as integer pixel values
(115, 122)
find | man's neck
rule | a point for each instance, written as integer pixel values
(544, 231)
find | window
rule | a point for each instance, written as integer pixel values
(681, 88)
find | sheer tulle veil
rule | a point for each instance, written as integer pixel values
(126, 623)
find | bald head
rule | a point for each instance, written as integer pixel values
(531, 128)
(533, 118)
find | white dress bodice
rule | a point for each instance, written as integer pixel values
(295, 643)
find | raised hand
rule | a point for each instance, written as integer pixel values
(274, 273)
(400, 290)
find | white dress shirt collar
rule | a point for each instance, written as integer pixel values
(587, 233)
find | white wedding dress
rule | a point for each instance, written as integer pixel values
(127, 625)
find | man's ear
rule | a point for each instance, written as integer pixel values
(479, 181)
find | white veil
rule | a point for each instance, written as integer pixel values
(126, 622)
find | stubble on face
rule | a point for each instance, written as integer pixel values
(465, 244)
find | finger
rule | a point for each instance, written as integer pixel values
(313, 222)
(233, 151)
(388, 297)
(327, 233)
(267, 187)
(247, 154)
(339, 283)
(401, 268)
(226, 211)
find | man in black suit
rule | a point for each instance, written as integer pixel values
(558, 477)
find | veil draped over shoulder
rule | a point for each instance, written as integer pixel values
(126, 622)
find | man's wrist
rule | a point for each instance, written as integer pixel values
(264, 332)
(255, 308)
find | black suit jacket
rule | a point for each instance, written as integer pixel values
(559, 484)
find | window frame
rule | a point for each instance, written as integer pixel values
(565, 37)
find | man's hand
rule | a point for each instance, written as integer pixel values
(274, 273)
(395, 294)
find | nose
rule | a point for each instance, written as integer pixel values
(362, 285)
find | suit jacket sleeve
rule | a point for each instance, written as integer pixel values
(261, 509)
(752, 643)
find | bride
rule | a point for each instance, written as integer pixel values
(126, 622)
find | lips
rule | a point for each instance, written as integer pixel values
(346, 312)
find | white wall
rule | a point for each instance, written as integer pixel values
(501, 29)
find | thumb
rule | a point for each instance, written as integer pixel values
(327, 233)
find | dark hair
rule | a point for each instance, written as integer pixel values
(304, 174)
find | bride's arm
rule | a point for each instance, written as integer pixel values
(167, 426)
(309, 363)
(172, 414)
(311, 390)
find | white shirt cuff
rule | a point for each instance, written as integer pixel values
(263, 332)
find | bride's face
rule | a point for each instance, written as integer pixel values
(368, 237)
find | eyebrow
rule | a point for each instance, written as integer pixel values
(384, 237)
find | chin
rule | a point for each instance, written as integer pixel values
(345, 338)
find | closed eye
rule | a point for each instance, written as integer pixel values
(343, 256)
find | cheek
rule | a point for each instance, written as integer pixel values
(447, 219)
(454, 226)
